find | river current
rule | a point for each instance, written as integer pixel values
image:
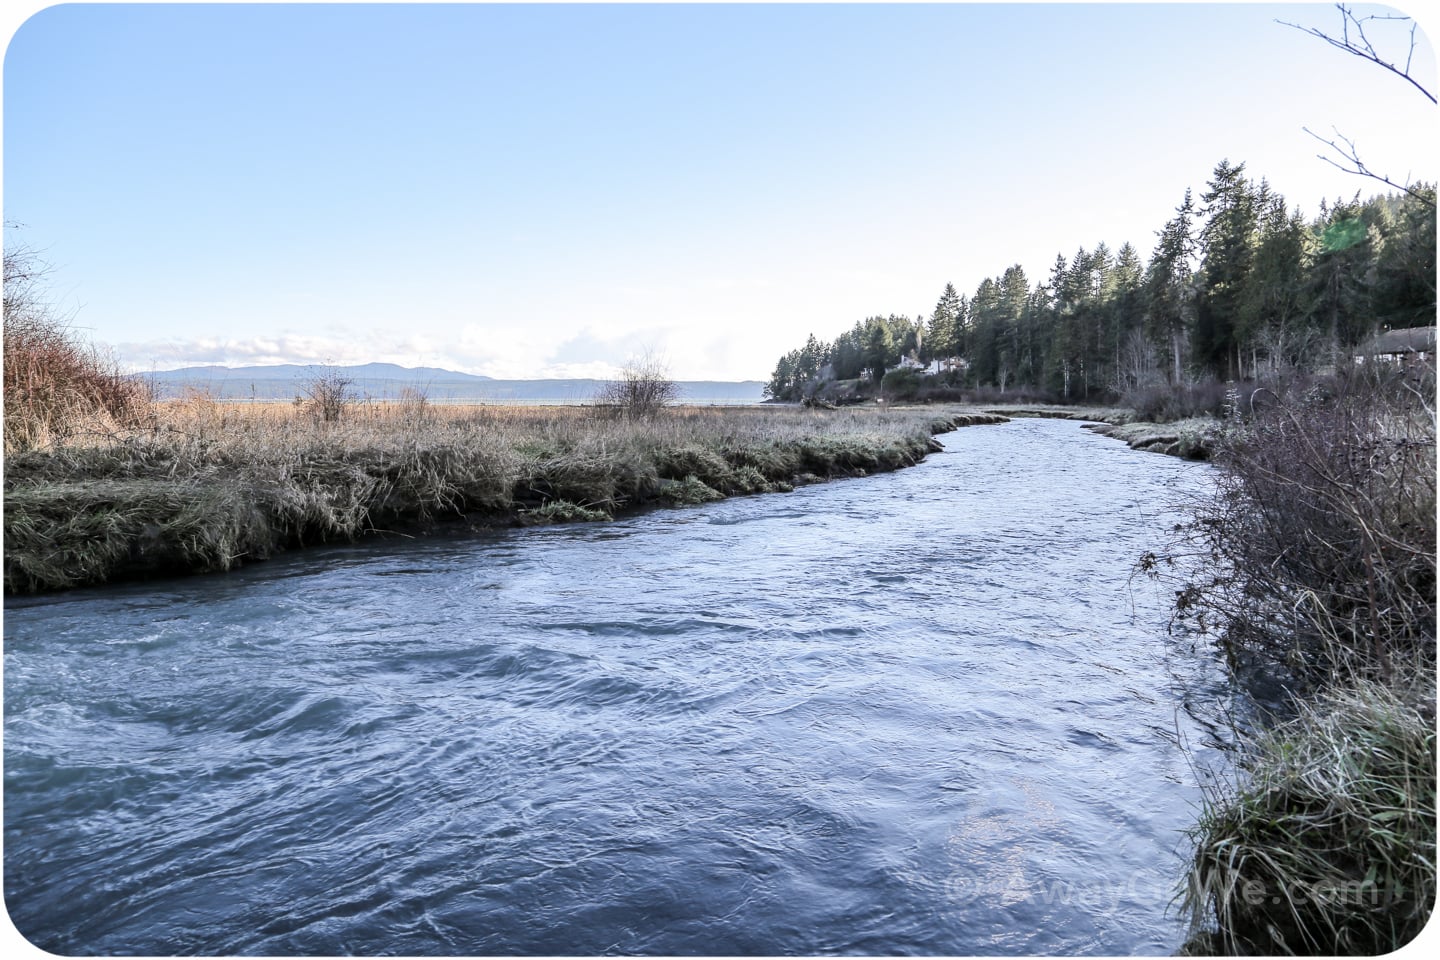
(924, 712)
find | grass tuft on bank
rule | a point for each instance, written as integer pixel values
(1327, 846)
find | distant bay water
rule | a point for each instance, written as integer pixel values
(384, 381)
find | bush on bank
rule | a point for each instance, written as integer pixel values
(1321, 539)
(1321, 548)
(56, 385)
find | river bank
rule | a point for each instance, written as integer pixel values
(1192, 438)
(210, 486)
(1317, 572)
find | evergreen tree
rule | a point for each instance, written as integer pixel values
(942, 331)
(1271, 312)
(1169, 286)
(1014, 294)
(985, 321)
(1125, 305)
(1339, 283)
(1404, 294)
(1228, 244)
(879, 345)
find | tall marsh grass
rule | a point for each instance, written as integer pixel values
(207, 485)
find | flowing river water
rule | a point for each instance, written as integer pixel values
(925, 712)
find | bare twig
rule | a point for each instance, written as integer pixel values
(1352, 40)
(1358, 168)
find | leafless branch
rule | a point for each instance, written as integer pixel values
(1352, 40)
(1357, 166)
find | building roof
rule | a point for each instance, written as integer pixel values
(1405, 340)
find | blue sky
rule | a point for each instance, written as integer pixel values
(544, 190)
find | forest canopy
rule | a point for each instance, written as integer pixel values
(1238, 284)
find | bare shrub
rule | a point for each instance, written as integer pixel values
(643, 389)
(1161, 403)
(57, 385)
(1138, 367)
(1322, 536)
(327, 393)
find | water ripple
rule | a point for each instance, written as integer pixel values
(920, 713)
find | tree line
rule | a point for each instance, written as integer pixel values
(1239, 285)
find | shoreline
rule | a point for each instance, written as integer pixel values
(185, 502)
(1190, 439)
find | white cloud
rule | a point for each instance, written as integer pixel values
(594, 370)
(280, 348)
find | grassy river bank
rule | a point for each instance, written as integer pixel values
(207, 486)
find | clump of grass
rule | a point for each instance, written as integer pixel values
(563, 511)
(1187, 439)
(691, 490)
(690, 460)
(1328, 847)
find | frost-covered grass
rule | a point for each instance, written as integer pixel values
(208, 485)
(1327, 846)
(1191, 437)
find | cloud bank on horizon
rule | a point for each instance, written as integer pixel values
(507, 357)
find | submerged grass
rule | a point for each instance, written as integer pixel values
(208, 486)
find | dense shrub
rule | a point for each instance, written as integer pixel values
(900, 384)
(1163, 403)
(1322, 535)
(1019, 394)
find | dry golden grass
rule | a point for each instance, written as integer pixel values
(205, 485)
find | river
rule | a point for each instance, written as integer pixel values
(925, 712)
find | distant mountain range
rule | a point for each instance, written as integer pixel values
(387, 381)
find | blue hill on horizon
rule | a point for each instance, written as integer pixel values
(389, 381)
